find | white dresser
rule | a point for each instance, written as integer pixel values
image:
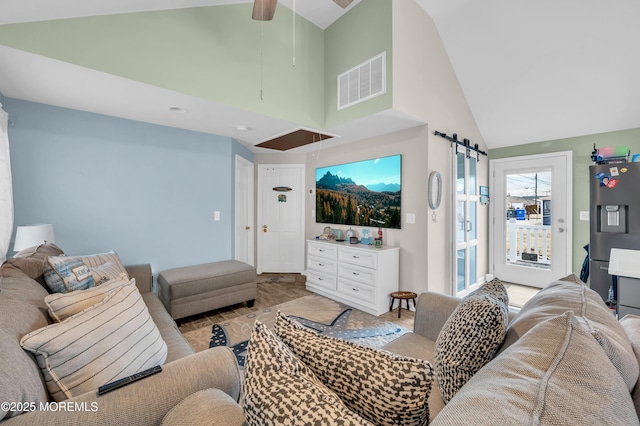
(357, 275)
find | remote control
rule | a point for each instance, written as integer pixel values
(126, 380)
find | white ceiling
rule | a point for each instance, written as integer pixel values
(531, 71)
(546, 69)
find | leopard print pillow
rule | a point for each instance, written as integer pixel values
(279, 389)
(471, 337)
(384, 388)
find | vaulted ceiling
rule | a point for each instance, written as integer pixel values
(530, 71)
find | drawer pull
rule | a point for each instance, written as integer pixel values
(320, 264)
(320, 279)
(321, 250)
(355, 289)
(356, 257)
(356, 273)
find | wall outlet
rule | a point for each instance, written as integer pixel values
(584, 215)
(216, 215)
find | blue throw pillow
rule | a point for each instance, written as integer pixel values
(65, 274)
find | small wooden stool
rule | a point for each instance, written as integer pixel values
(402, 295)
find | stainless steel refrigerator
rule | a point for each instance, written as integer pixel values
(614, 196)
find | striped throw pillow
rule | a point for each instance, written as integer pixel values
(111, 340)
(95, 260)
(107, 272)
(63, 305)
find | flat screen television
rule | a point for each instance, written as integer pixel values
(363, 193)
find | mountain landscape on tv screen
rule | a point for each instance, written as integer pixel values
(341, 200)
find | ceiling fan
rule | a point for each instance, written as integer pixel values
(263, 10)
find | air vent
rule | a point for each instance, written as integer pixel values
(362, 82)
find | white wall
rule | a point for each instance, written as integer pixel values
(426, 86)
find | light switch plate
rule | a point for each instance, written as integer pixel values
(216, 215)
(584, 215)
(411, 218)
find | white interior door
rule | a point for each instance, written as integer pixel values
(531, 218)
(245, 227)
(280, 218)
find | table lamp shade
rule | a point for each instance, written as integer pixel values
(33, 235)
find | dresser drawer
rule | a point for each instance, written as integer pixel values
(328, 266)
(366, 258)
(325, 250)
(356, 291)
(358, 273)
(321, 280)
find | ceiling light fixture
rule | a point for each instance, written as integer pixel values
(242, 128)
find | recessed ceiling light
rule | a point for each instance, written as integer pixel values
(242, 128)
(177, 110)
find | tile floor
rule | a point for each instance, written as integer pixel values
(274, 289)
(519, 294)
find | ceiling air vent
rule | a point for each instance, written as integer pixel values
(362, 82)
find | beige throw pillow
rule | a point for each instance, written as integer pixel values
(63, 305)
(111, 340)
(95, 260)
(556, 374)
(571, 294)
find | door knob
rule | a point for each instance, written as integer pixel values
(560, 229)
(264, 228)
(247, 227)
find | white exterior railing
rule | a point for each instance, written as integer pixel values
(523, 237)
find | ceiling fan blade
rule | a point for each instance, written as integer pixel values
(263, 10)
(343, 3)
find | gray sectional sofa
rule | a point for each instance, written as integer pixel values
(145, 402)
(565, 360)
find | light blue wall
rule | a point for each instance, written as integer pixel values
(148, 192)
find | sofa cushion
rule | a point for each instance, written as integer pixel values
(471, 337)
(571, 294)
(43, 250)
(208, 407)
(65, 274)
(31, 261)
(556, 374)
(22, 310)
(278, 387)
(63, 305)
(631, 326)
(382, 387)
(111, 340)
